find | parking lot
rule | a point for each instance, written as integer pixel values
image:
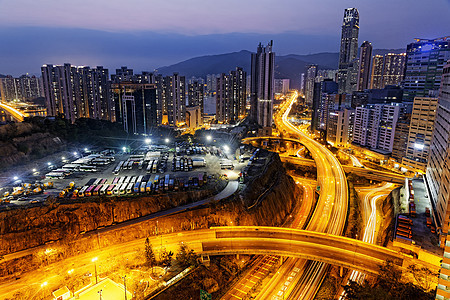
(150, 169)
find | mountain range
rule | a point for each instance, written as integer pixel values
(286, 66)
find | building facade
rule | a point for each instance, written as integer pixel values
(374, 126)
(425, 60)
(365, 60)
(347, 74)
(23, 88)
(136, 106)
(262, 87)
(77, 92)
(282, 86)
(438, 167)
(420, 132)
(311, 74)
(340, 127)
(376, 77)
(393, 69)
(231, 96)
(196, 94)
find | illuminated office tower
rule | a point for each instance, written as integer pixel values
(365, 58)
(438, 168)
(262, 87)
(376, 78)
(394, 68)
(425, 60)
(347, 76)
(420, 132)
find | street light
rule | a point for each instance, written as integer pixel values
(148, 141)
(86, 149)
(94, 260)
(226, 148)
(124, 149)
(44, 284)
(75, 154)
(15, 178)
(208, 138)
(167, 140)
(49, 163)
(70, 271)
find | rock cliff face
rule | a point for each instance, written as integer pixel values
(29, 227)
(276, 192)
(22, 141)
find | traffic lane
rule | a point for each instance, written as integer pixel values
(327, 254)
(325, 240)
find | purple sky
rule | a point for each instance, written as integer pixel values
(386, 23)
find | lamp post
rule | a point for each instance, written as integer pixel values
(125, 285)
(94, 260)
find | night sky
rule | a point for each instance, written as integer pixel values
(148, 34)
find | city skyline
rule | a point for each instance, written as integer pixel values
(82, 39)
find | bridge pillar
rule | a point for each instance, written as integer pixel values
(341, 271)
(237, 256)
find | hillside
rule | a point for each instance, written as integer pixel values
(286, 66)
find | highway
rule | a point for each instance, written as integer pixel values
(16, 114)
(331, 211)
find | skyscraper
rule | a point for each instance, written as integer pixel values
(262, 87)
(349, 48)
(438, 167)
(311, 74)
(78, 92)
(321, 92)
(231, 96)
(365, 59)
(424, 62)
(376, 79)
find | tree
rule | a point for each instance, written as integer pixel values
(166, 258)
(150, 259)
(389, 284)
(187, 257)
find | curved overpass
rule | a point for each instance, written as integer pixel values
(327, 248)
(16, 114)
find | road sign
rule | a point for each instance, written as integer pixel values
(205, 295)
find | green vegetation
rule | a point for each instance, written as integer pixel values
(354, 220)
(187, 257)
(390, 284)
(150, 258)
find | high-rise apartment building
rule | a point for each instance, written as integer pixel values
(347, 75)
(376, 78)
(321, 91)
(438, 167)
(401, 136)
(365, 59)
(282, 86)
(340, 127)
(420, 132)
(425, 60)
(171, 98)
(136, 106)
(23, 88)
(262, 87)
(77, 92)
(231, 96)
(375, 126)
(311, 74)
(393, 68)
(196, 94)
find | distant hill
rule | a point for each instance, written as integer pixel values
(286, 66)
(2, 76)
